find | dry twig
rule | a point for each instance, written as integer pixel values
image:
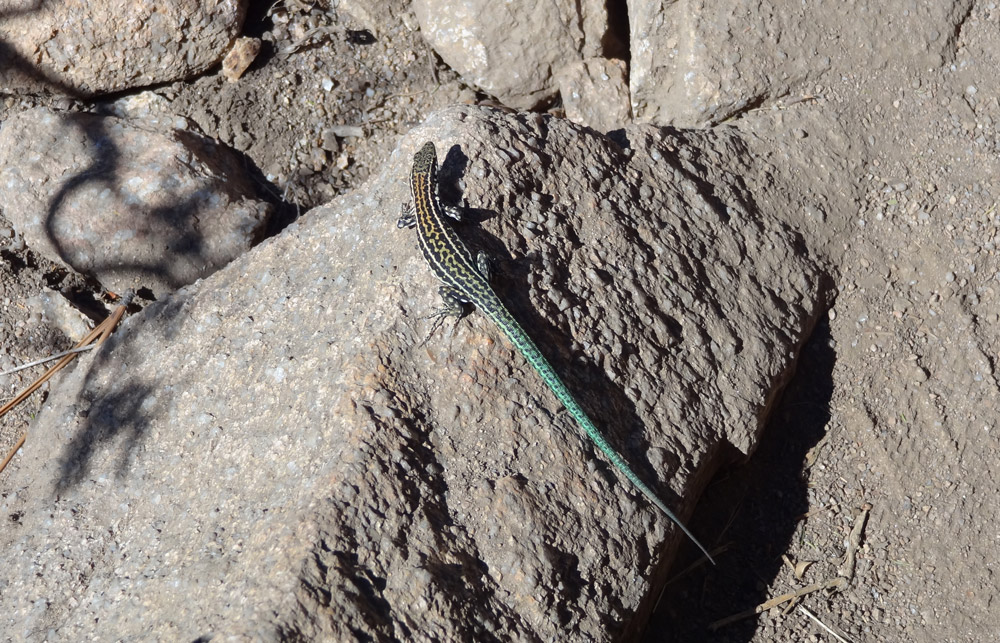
(826, 627)
(845, 575)
(41, 361)
(853, 541)
(100, 333)
(833, 583)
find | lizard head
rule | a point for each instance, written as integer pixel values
(426, 159)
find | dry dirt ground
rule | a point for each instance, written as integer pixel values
(893, 404)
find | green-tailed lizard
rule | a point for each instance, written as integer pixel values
(466, 281)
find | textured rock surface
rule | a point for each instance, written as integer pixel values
(595, 93)
(136, 204)
(513, 50)
(697, 61)
(273, 452)
(84, 47)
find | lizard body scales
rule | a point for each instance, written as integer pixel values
(465, 280)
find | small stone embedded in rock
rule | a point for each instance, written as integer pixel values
(595, 93)
(512, 52)
(240, 57)
(132, 203)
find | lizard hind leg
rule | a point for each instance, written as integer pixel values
(454, 306)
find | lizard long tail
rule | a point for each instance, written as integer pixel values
(523, 342)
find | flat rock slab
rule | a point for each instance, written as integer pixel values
(277, 453)
(87, 47)
(135, 204)
(515, 49)
(696, 62)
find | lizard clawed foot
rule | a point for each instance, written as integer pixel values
(407, 216)
(454, 306)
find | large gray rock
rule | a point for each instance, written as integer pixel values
(275, 453)
(513, 50)
(133, 203)
(86, 47)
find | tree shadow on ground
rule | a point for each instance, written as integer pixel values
(117, 413)
(113, 411)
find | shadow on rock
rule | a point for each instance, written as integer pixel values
(759, 505)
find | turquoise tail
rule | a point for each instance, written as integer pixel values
(502, 317)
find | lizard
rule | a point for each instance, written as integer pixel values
(465, 280)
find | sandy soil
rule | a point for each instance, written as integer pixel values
(893, 406)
